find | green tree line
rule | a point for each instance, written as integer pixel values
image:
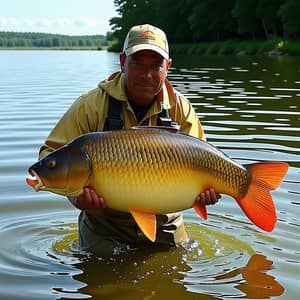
(46, 40)
(194, 21)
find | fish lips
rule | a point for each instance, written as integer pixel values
(35, 182)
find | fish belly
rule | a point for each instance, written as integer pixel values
(152, 191)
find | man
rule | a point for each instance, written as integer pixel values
(138, 95)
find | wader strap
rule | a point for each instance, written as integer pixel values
(163, 118)
(113, 120)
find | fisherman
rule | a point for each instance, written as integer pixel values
(138, 95)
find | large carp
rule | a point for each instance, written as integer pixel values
(153, 171)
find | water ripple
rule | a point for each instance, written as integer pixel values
(249, 109)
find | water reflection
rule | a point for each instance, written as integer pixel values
(257, 283)
(212, 266)
(147, 274)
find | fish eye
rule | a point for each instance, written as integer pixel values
(50, 163)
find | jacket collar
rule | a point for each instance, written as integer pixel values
(114, 85)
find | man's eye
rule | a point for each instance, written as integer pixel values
(137, 63)
(158, 67)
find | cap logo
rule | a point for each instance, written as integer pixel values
(147, 35)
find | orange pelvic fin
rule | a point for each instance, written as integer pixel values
(258, 204)
(201, 210)
(146, 222)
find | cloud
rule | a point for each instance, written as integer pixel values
(79, 25)
(86, 21)
(8, 21)
(47, 22)
(28, 22)
(64, 22)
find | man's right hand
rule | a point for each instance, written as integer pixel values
(89, 199)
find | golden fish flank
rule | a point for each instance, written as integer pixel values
(152, 171)
(137, 161)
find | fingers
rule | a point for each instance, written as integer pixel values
(208, 197)
(89, 199)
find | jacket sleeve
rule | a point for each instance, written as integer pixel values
(85, 115)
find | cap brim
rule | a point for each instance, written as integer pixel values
(140, 47)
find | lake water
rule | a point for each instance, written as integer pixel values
(249, 107)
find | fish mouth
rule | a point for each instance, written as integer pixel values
(35, 182)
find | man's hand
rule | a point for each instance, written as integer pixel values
(208, 197)
(89, 199)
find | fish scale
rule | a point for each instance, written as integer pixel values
(155, 171)
(153, 157)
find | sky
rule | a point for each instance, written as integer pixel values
(71, 17)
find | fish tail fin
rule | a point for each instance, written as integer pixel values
(258, 204)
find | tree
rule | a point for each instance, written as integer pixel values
(174, 20)
(266, 11)
(289, 12)
(132, 12)
(245, 16)
(211, 19)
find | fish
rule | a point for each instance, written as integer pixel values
(150, 171)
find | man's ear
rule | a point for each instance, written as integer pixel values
(122, 58)
(169, 63)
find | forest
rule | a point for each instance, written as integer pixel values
(47, 40)
(206, 21)
(190, 24)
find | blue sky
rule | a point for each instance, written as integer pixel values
(72, 17)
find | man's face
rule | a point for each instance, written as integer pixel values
(145, 72)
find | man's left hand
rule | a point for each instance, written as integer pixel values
(208, 197)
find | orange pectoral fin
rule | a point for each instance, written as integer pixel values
(201, 210)
(146, 222)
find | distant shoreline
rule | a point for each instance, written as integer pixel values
(274, 47)
(53, 48)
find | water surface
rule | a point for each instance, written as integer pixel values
(249, 107)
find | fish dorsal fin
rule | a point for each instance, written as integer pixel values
(146, 222)
(167, 128)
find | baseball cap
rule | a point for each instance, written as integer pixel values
(146, 37)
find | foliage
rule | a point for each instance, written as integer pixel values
(194, 21)
(46, 40)
(203, 25)
(273, 46)
(289, 12)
